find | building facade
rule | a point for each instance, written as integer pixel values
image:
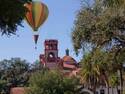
(51, 60)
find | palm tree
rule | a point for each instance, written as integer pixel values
(113, 81)
(86, 71)
(93, 70)
(119, 60)
(115, 60)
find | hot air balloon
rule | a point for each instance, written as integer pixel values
(36, 16)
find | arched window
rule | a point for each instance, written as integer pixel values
(51, 57)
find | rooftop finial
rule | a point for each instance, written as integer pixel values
(67, 52)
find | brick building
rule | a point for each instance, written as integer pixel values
(51, 60)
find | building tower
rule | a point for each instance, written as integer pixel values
(50, 58)
(51, 51)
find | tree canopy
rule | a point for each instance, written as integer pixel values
(101, 26)
(15, 73)
(12, 12)
(52, 82)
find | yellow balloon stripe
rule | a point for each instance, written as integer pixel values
(41, 16)
(44, 17)
(37, 11)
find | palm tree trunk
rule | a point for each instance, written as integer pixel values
(107, 84)
(108, 89)
(121, 81)
(117, 89)
(94, 89)
(112, 91)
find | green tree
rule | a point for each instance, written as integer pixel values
(114, 3)
(102, 26)
(12, 12)
(51, 82)
(13, 73)
(94, 70)
(99, 27)
(113, 81)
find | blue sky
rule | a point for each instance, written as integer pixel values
(58, 26)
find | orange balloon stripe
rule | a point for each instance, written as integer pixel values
(27, 19)
(29, 15)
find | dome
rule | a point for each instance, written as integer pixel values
(69, 60)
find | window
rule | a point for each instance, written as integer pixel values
(119, 92)
(102, 91)
(51, 57)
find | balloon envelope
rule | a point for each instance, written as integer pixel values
(36, 15)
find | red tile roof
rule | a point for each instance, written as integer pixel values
(18, 90)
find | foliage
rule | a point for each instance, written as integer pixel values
(13, 73)
(12, 12)
(113, 80)
(102, 27)
(99, 26)
(94, 69)
(51, 82)
(113, 3)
